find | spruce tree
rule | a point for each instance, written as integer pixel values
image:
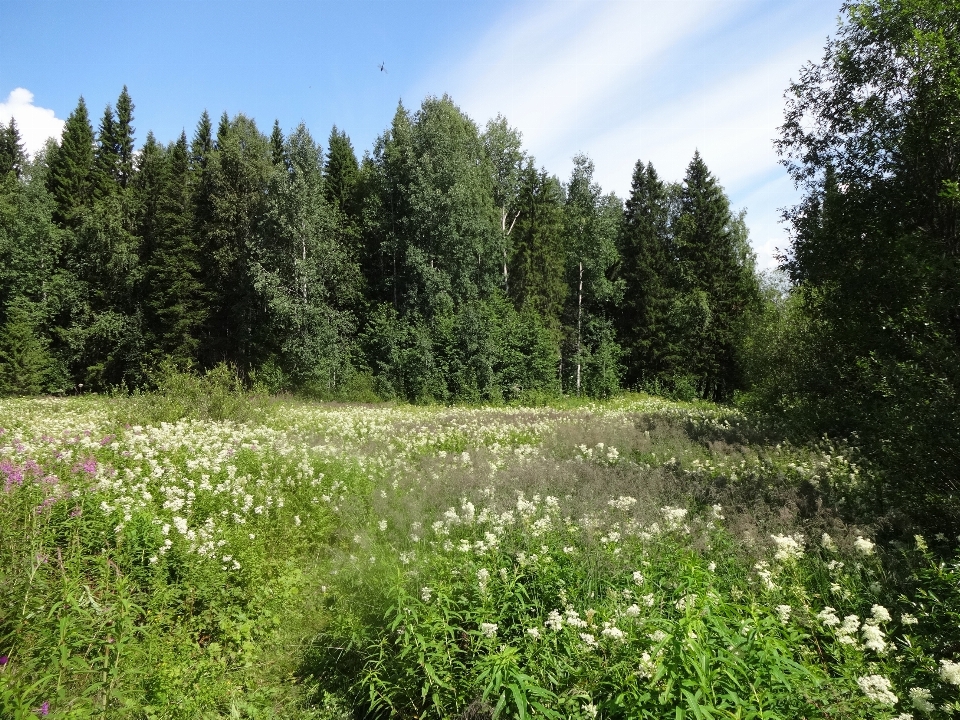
(717, 281)
(341, 173)
(124, 131)
(538, 264)
(12, 155)
(105, 156)
(71, 172)
(646, 271)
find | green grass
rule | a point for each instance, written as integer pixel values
(201, 554)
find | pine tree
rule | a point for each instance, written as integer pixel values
(71, 173)
(646, 270)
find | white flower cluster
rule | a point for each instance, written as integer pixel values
(789, 547)
(878, 689)
(950, 672)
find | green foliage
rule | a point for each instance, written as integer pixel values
(874, 248)
(71, 177)
(25, 362)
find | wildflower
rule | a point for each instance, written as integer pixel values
(658, 636)
(880, 613)
(4, 659)
(789, 547)
(784, 612)
(950, 672)
(921, 546)
(632, 611)
(426, 593)
(638, 577)
(877, 688)
(686, 602)
(382, 525)
(613, 633)
(534, 633)
(647, 666)
(483, 577)
(828, 616)
(908, 619)
(864, 547)
(711, 566)
(922, 700)
(845, 633)
(873, 638)
(590, 709)
(717, 512)
(554, 621)
(44, 709)
(489, 630)
(827, 542)
(765, 574)
(589, 640)
(649, 600)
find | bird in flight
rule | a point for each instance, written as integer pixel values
(383, 69)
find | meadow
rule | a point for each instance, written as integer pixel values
(211, 554)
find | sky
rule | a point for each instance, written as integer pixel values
(618, 80)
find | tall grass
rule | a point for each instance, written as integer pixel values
(198, 553)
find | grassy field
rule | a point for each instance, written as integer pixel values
(227, 557)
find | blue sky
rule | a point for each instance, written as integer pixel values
(619, 80)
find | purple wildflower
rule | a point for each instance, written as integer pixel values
(4, 659)
(43, 709)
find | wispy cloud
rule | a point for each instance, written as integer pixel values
(36, 124)
(646, 79)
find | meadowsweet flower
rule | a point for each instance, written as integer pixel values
(921, 545)
(789, 547)
(922, 700)
(489, 630)
(827, 542)
(950, 672)
(828, 616)
(908, 619)
(649, 600)
(711, 566)
(534, 633)
(590, 709)
(613, 633)
(880, 613)
(784, 612)
(658, 636)
(589, 640)
(877, 688)
(863, 546)
(554, 621)
(873, 638)
(382, 525)
(717, 512)
(638, 577)
(765, 574)
(647, 666)
(632, 611)
(483, 577)
(426, 593)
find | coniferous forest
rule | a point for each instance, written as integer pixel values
(445, 266)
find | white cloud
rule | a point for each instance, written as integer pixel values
(623, 80)
(35, 124)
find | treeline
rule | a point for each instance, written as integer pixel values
(442, 266)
